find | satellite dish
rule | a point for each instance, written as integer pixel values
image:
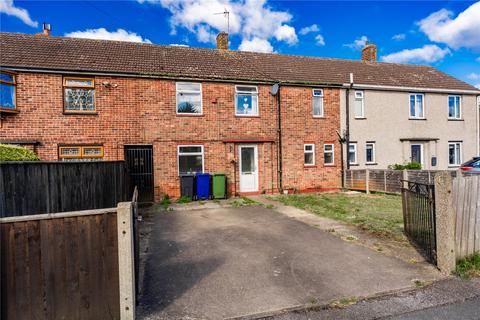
(274, 89)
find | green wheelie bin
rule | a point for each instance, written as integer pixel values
(219, 186)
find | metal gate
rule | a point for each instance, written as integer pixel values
(139, 159)
(418, 202)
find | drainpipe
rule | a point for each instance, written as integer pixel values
(280, 165)
(347, 105)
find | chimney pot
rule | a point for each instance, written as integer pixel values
(46, 29)
(222, 41)
(369, 52)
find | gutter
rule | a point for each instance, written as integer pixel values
(408, 89)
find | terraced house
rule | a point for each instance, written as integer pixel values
(271, 122)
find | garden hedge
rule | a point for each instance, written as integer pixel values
(16, 153)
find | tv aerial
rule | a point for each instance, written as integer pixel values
(226, 14)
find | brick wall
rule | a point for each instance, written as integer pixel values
(142, 111)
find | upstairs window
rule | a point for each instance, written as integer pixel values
(189, 98)
(309, 154)
(79, 95)
(317, 102)
(246, 101)
(190, 159)
(80, 153)
(454, 107)
(7, 91)
(359, 112)
(328, 151)
(416, 106)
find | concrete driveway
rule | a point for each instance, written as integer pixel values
(230, 262)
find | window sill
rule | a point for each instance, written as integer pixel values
(454, 166)
(354, 164)
(8, 110)
(360, 118)
(246, 116)
(329, 165)
(67, 113)
(318, 117)
(190, 115)
(421, 119)
(453, 119)
(371, 163)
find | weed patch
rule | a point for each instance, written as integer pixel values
(469, 267)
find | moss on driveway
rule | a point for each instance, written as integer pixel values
(377, 213)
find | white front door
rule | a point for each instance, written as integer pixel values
(248, 168)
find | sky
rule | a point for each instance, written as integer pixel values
(443, 34)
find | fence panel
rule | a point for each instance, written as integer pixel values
(60, 267)
(355, 179)
(46, 187)
(466, 203)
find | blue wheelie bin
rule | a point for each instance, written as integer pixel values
(203, 186)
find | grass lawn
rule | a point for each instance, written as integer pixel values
(377, 213)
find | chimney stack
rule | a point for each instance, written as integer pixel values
(369, 52)
(222, 41)
(46, 29)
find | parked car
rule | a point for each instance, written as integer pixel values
(471, 166)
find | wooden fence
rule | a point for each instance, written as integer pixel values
(388, 181)
(466, 204)
(46, 187)
(71, 265)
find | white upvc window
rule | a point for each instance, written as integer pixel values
(352, 153)
(309, 154)
(454, 107)
(328, 154)
(190, 159)
(317, 103)
(417, 106)
(454, 153)
(189, 98)
(370, 152)
(246, 100)
(359, 104)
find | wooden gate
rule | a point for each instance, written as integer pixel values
(418, 202)
(139, 159)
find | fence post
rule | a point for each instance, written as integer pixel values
(404, 177)
(445, 222)
(367, 181)
(126, 274)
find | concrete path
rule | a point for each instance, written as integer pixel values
(229, 262)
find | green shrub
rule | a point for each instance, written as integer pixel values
(184, 199)
(469, 267)
(16, 153)
(406, 166)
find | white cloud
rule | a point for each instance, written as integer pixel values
(204, 34)
(287, 34)
(7, 7)
(319, 39)
(251, 20)
(474, 76)
(427, 54)
(358, 43)
(256, 45)
(307, 30)
(462, 31)
(477, 86)
(399, 37)
(102, 33)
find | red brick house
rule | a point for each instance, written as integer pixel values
(190, 109)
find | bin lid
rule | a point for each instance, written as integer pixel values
(218, 174)
(202, 174)
(187, 175)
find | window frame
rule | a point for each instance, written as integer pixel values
(455, 117)
(188, 91)
(14, 85)
(321, 96)
(202, 153)
(362, 99)
(256, 93)
(331, 151)
(374, 156)
(65, 86)
(354, 144)
(454, 143)
(81, 152)
(309, 151)
(415, 117)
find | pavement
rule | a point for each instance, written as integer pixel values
(224, 262)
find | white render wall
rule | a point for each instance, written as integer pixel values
(387, 122)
